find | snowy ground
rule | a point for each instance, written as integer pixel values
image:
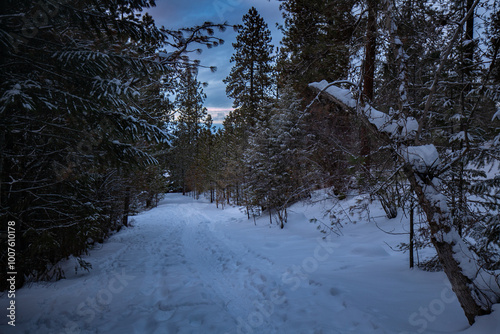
(187, 267)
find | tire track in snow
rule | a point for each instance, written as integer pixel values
(234, 276)
(178, 274)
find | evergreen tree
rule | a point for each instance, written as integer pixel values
(186, 149)
(233, 141)
(318, 40)
(82, 110)
(250, 84)
(208, 159)
(277, 160)
(250, 81)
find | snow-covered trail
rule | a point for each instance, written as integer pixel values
(170, 273)
(187, 267)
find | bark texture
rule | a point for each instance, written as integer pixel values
(440, 223)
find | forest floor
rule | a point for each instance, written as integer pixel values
(188, 267)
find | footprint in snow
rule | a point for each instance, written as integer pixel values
(313, 282)
(334, 291)
(164, 314)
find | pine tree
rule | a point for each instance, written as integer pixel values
(250, 81)
(278, 160)
(318, 39)
(188, 129)
(250, 84)
(82, 109)
(232, 143)
(483, 125)
(208, 159)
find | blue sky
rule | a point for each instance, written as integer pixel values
(185, 13)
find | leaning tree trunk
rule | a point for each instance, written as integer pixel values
(460, 265)
(448, 245)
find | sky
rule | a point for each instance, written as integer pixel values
(174, 14)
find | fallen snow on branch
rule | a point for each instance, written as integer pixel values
(404, 128)
(423, 158)
(341, 94)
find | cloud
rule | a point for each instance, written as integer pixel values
(218, 114)
(174, 14)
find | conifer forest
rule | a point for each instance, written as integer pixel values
(392, 104)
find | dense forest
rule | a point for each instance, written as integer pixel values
(102, 112)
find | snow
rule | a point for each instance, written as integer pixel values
(409, 127)
(343, 95)
(166, 55)
(381, 120)
(461, 136)
(404, 128)
(188, 267)
(422, 158)
(462, 254)
(496, 115)
(16, 90)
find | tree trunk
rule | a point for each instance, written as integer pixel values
(368, 78)
(469, 35)
(370, 50)
(444, 236)
(440, 224)
(126, 206)
(412, 234)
